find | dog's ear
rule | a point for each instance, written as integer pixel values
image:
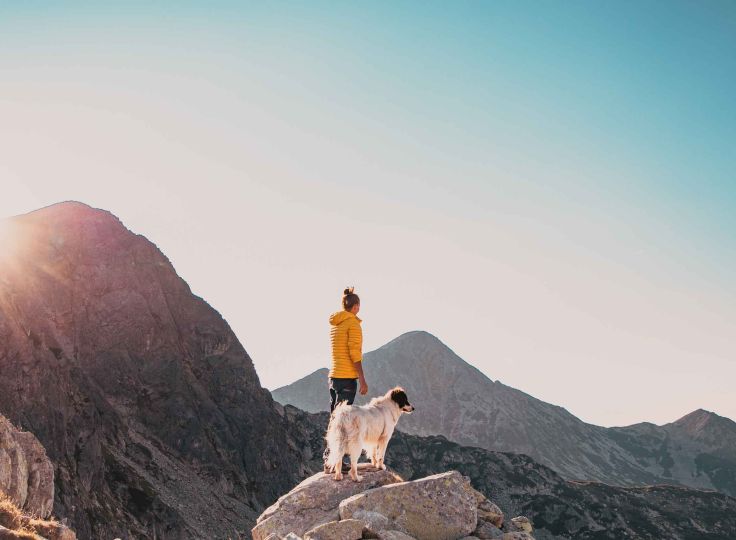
(399, 396)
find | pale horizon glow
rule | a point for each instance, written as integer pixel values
(548, 189)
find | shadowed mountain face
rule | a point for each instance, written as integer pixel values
(457, 401)
(143, 397)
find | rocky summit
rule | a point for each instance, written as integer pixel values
(145, 401)
(439, 507)
(456, 400)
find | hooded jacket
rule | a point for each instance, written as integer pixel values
(347, 344)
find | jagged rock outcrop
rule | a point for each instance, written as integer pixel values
(313, 502)
(26, 474)
(467, 407)
(438, 507)
(145, 401)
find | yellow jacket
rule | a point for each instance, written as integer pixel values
(347, 343)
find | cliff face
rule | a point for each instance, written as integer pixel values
(141, 394)
(457, 401)
(26, 474)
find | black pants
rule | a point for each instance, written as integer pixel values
(342, 390)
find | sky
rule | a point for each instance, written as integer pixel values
(547, 187)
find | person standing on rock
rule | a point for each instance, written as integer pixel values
(346, 336)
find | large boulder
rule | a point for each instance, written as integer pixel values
(438, 507)
(26, 474)
(315, 502)
(347, 529)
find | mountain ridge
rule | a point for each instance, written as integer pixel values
(470, 408)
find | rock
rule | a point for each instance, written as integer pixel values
(488, 511)
(520, 524)
(373, 522)
(394, 535)
(486, 530)
(517, 536)
(26, 474)
(439, 507)
(291, 536)
(53, 530)
(315, 501)
(347, 529)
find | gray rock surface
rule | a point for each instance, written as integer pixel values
(26, 473)
(486, 530)
(520, 524)
(315, 502)
(438, 507)
(347, 529)
(394, 535)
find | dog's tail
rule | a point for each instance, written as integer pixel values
(340, 431)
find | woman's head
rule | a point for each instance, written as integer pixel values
(350, 300)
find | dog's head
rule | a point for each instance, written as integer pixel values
(398, 396)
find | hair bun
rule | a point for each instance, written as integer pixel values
(348, 291)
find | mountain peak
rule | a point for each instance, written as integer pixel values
(706, 425)
(417, 337)
(698, 416)
(66, 211)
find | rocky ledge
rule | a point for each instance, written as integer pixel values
(384, 506)
(26, 488)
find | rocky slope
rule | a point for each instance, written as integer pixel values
(143, 397)
(456, 400)
(26, 474)
(698, 450)
(26, 488)
(559, 509)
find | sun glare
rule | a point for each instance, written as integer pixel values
(9, 239)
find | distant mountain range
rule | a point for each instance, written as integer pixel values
(456, 400)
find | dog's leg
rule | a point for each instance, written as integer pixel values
(355, 452)
(381, 447)
(374, 456)
(338, 469)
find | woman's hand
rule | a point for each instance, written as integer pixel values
(363, 386)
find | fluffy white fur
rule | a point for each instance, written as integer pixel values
(369, 427)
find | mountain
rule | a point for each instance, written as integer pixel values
(698, 450)
(456, 400)
(146, 402)
(559, 509)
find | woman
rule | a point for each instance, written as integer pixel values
(347, 344)
(346, 336)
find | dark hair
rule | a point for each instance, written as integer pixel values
(349, 298)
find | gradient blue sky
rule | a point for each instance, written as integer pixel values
(548, 187)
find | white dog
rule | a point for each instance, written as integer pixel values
(353, 429)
